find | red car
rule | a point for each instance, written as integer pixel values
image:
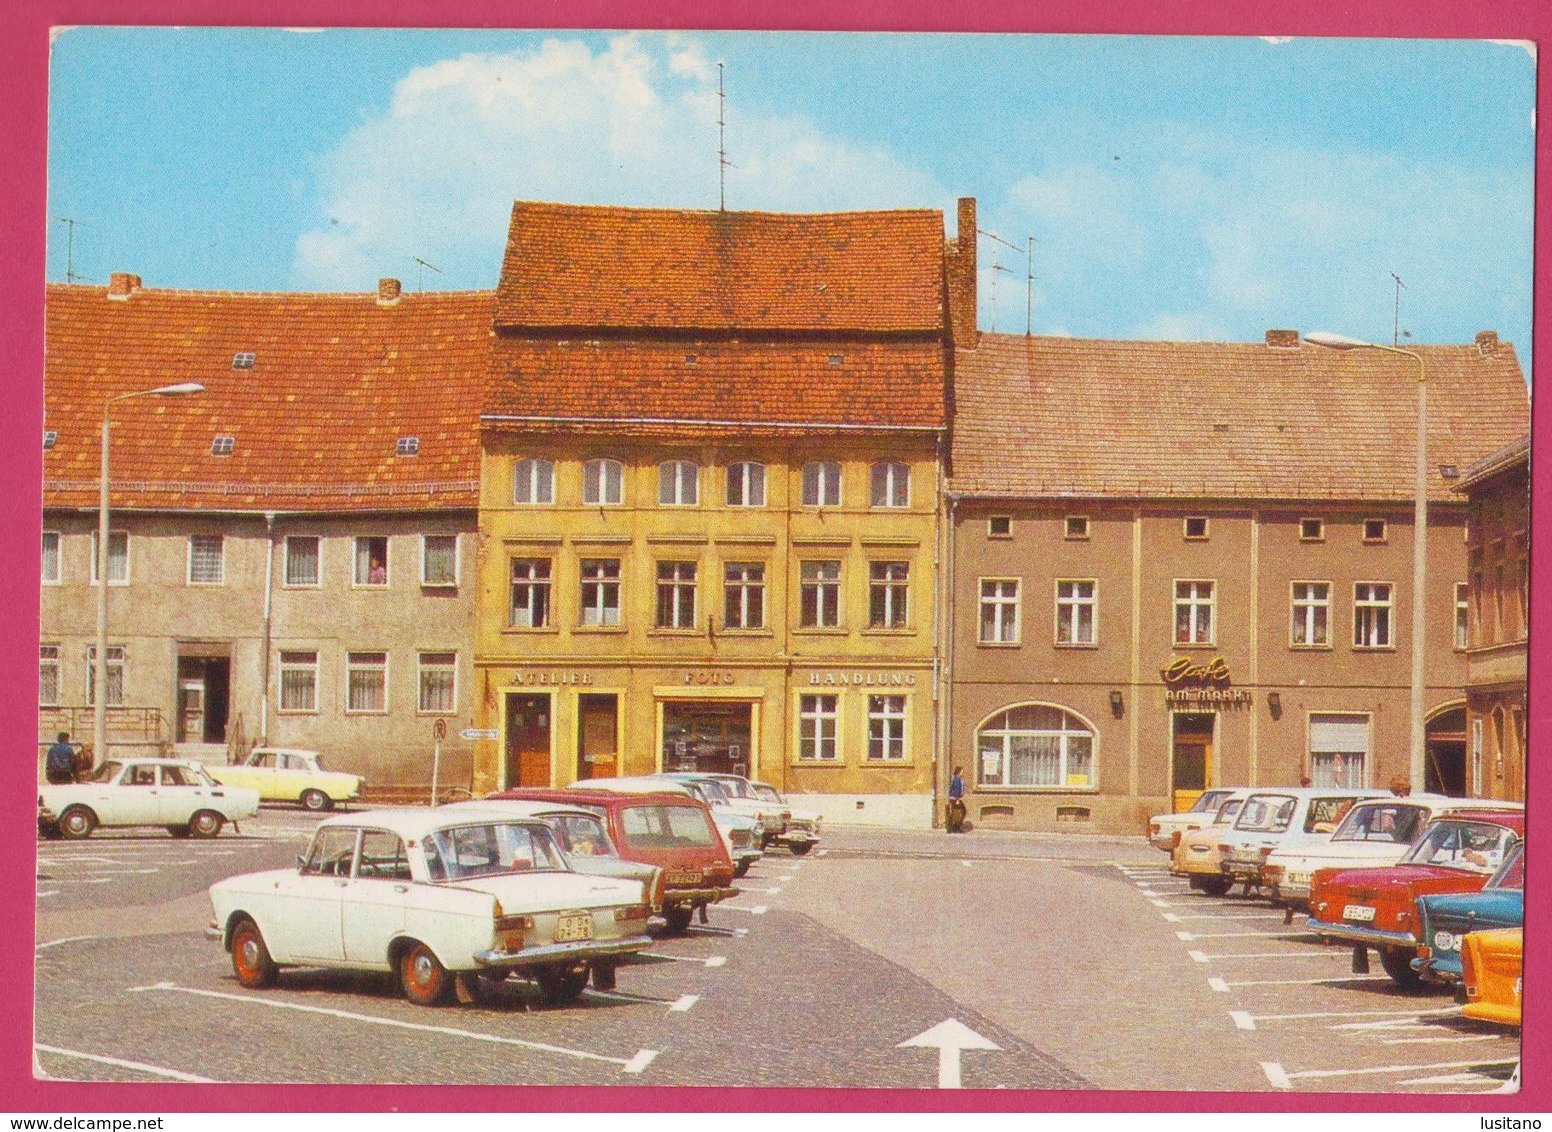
(1378, 907)
(670, 830)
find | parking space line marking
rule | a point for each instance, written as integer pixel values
(138, 1066)
(1399, 1018)
(52, 892)
(622, 996)
(1188, 937)
(1162, 904)
(785, 876)
(67, 939)
(1303, 982)
(631, 1065)
(1457, 1079)
(1395, 1069)
(713, 961)
(1171, 918)
(1229, 915)
(1275, 1075)
(820, 852)
(684, 1003)
(1413, 1014)
(966, 864)
(757, 910)
(708, 929)
(1218, 985)
(1424, 1041)
(1203, 958)
(1242, 1020)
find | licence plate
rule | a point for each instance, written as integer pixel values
(1358, 912)
(684, 877)
(574, 926)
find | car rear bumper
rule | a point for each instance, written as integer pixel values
(1353, 933)
(694, 897)
(558, 952)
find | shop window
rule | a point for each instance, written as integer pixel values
(1311, 615)
(1035, 745)
(533, 481)
(1372, 607)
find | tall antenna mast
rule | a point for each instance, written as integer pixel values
(1029, 289)
(723, 164)
(1395, 339)
(70, 275)
(996, 267)
(420, 272)
(1029, 255)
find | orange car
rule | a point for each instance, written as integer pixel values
(1492, 963)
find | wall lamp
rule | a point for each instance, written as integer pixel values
(1274, 704)
(1117, 705)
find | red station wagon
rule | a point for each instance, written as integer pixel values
(670, 830)
(1378, 907)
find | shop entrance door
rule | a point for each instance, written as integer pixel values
(1446, 763)
(528, 741)
(709, 737)
(204, 684)
(598, 748)
(1191, 757)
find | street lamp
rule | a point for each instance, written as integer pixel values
(1418, 767)
(100, 672)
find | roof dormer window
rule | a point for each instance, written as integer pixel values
(223, 445)
(244, 359)
(408, 446)
(50, 437)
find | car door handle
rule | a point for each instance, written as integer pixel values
(401, 888)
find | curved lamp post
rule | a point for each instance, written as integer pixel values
(1417, 765)
(100, 671)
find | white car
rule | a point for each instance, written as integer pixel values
(171, 793)
(1203, 812)
(447, 899)
(802, 826)
(1276, 817)
(738, 797)
(287, 774)
(1373, 834)
(742, 834)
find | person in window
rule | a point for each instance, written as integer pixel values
(955, 820)
(377, 575)
(59, 762)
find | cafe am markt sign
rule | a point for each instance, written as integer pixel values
(1207, 684)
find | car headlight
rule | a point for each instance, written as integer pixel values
(1446, 941)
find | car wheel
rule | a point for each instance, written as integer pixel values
(178, 830)
(561, 984)
(1397, 962)
(250, 957)
(421, 975)
(799, 848)
(77, 822)
(316, 801)
(678, 918)
(205, 824)
(742, 868)
(1216, 886)
(49, 830)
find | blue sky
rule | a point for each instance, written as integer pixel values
(1175, 187)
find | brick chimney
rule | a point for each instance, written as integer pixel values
(1283, 339)
(121, 285)
(960, 271)
(388, 291)
(1487, 342)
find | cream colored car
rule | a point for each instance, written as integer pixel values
(285, 774)
(1196, 856)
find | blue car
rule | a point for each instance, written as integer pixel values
(1449, 917)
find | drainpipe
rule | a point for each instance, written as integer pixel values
(937, 626)
(269, 585)
(947, 583)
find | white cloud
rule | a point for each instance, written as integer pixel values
(634, 123)
(1277, 40)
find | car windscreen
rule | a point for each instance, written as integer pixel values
(667, 827)
(1477, 847)
(1229, 811)
(580, 835)
(1395, 823)
(735, 787)
(767, 794)
(491, 848)
(1267, 813)
(1512, 874)
(1324, 814)
(711, 791)
(1208, 802)
(107, 772)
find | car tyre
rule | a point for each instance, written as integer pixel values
(800, 848)
(316, 801)
(560, 984)
(678, 918)
(742, 867)
(178, 830)
(251, 962)
(1216, 886)
(77, 822)
(205, 824)
(1397, 962)
(422, 977)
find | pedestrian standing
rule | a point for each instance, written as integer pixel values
(59, 762)
(955, 820)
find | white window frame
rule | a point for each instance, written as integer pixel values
(49, 658)
(824, 478)
(1069, 608)
(887, 732)
(1320, 529)
(537, 578)
(749, 580)
(606, 473)
(220, 562)
(452, 583)
(356, 662)
(1073, 727)
(428, 663)
(819, 727)
(113, 536)
(1383, 536)
(1005, 608)
(540, 474)
(1462, 635)
(679, 483)
(1305, 609)
(678, 588)
(293, 665)
(889, 586)
(1194, 602)
(117, 662)
(889, 485)
(1322, 773)
(357, 581)
(1366, 608)
(822, 576)
(604, 584)
(285, 569)
(56, 576)
(746, 484)
(1075, 527)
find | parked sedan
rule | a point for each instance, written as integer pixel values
(1449, 918)
(1196, 856)
(1163, 827)
(174, 794)
(284, 774)
(1276, 818)
(442, 898)
(1494, 975)
(744, 835)
(738, 797)
(1378, 907)
(802, 825)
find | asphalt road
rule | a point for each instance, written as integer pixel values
(1061, 962)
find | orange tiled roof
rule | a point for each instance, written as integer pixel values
(336, 380)
(667, 269)
(1039, 417)
(655, 388)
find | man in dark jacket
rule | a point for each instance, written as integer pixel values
(59, 763)
(955, 822)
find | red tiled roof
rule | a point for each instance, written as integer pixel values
(655, 268)
(653, 388)
(1041, 417)
(337, 380)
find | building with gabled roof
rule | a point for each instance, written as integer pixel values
(291, 558)
(1179, 565)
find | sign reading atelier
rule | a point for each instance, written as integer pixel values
(863, 679)
(1201, 683)
(553, 678)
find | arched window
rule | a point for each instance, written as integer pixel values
(891, 486)
(1035, 745)
(746, 484)
(533, 481)
(678, 483)
(821, 484)
(603, 482)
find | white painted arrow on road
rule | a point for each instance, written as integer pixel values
(949, 1038)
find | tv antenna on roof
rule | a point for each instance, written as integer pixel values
(1029, 278)
(70, 223)
(723, 164)
(1395, 339)
(420, 272)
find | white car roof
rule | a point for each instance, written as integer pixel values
(637, 785)
(1365, 793)
(408, 823)
(135, 760)
(283, 751)
(519, 808)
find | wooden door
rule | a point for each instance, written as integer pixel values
(528, 741)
